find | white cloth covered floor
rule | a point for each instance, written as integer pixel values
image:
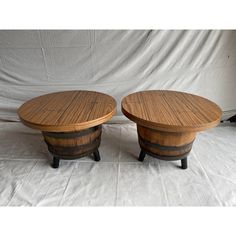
(26, 178)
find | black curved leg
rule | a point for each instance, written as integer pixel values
(96, 155)
(184, 163)
(142, 155)
(56, 162)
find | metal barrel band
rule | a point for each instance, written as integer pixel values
(75, 134)
(166, 148)
(74, 151)
(71, 148)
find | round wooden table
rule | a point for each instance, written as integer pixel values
(70, 121)
(167, 121)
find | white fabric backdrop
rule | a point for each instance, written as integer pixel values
(117, 62)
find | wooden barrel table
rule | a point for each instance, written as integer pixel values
(167, 121)
(70, 121)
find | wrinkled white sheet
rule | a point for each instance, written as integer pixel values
(37, 62)
(26, 178)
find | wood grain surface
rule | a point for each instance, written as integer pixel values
(171, 111)
(67, 111)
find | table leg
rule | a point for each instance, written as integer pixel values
(96, 155)
(56, 162)
(184, 163)
(142, 155)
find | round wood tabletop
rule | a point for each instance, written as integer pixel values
(171, 111)
(67, 111)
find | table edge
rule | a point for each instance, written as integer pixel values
(171, 128)
(70, 127)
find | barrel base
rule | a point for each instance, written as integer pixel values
(73, 145)
(168, 146)
(183, 159)
(56, 160)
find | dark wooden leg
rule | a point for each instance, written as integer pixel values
(56, 162)
(96, 155)
(184, 163)
(142, 155)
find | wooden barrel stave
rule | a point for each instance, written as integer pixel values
(72, 145)
(166, 145)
